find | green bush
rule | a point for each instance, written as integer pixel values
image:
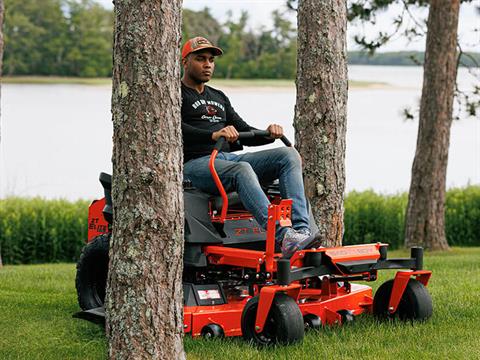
(35, 230)
(370, 217)
(39, 231)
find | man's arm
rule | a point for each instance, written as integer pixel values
(191, 133)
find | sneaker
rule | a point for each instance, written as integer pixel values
(317, 244)
(305, 231)
(294, 241)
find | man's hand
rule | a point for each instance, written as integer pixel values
(229, 132)
(276, 131)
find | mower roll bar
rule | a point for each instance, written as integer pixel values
(218, 146)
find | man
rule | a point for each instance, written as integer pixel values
(206, 116)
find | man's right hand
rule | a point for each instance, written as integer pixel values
(229, 132)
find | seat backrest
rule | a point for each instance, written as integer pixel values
(234, 202)
(106, 181)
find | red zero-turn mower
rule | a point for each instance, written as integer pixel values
(236, 283)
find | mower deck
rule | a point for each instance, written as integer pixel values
(229, 316)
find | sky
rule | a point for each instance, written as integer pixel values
(260, 15)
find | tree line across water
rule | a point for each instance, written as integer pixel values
(74, 38)
(39, 231)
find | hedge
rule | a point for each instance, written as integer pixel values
(370, 217)
(35, 230)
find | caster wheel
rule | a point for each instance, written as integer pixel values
(284, 323)
(415, 304)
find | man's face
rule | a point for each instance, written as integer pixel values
(199, 66)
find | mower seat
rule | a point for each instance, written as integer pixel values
(234, 201)
(106, 181)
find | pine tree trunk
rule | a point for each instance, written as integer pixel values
(321, 110)
(1, 65)
(144, 296)
(425, 220)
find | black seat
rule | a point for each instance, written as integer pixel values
(106, 181)
(234, 202)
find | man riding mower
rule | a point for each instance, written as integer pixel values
(236, 282)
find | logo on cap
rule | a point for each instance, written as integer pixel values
(198, 42)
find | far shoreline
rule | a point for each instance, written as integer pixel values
(259, 84)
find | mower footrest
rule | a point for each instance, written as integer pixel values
(96, 315)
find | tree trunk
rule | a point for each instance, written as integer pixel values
(425, 220)
(1, 64)
(321, 110)
(144, 296)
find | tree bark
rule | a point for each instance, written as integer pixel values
(2, 8)
(425, 220)
(321, 110)
(144, 294)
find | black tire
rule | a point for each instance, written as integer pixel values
(312, 322)
(284, 323)
(415, 304)
(211, 331)
(92, 272)
(347, 316)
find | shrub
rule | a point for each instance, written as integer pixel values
(35, 230)
(370, 217)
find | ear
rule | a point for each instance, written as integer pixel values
(184, 62)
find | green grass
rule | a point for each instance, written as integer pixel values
(269, 83)
(36, 303)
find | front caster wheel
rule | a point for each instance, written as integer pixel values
(415, 304)
(284, 323)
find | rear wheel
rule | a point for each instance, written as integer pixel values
(284, 323)
(415, 304)
(92, 271)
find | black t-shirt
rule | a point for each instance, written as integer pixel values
(205, 113)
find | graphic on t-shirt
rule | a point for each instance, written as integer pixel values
(211, 110)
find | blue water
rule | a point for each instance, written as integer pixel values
(57, 138)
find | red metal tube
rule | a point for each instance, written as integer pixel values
(219, 184)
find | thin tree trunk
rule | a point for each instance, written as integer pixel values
(144, 296)
(321, 110)
(425, 220)
(2, 8)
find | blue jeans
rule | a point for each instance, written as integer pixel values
(243, 173)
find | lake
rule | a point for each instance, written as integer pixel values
(56, 139)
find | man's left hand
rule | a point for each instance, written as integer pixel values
(276, 131)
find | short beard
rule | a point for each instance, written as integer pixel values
(199, 81)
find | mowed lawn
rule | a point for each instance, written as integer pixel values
(37, 303)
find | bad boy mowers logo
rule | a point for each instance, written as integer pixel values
(211, 110)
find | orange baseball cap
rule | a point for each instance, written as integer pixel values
(199, 43)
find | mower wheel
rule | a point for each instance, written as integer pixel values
(415, 304)
(211, 331)
(92, 271)
(284, 323)
(312, 322)
(347, 316)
